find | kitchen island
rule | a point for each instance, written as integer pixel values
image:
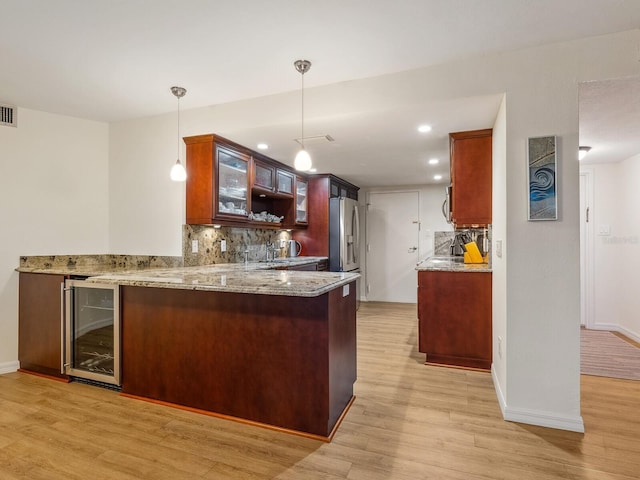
(243, 341)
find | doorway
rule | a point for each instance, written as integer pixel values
(392, 246)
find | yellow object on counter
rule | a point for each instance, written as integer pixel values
(474, 253)
(467, 257)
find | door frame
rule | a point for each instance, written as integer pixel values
(365, 246)
(587, 300)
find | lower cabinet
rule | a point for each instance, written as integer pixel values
(40, 323)
(454, 318)
(288, 362)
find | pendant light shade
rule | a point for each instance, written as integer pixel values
(302, 161)
(178, 172)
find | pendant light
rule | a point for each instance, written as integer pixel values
(178, 173)
(302, 161)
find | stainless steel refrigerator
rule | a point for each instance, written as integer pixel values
(344, 235)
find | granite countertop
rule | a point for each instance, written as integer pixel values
(451, 264)
(253, 278)
(93, 264)
(266, 278)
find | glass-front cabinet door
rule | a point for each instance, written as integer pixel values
(301, 200)
(233, 182)
(285, 182)
(263, 176)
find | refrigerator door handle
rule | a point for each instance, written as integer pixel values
(343, 235)
(62, 329)
(356, 231)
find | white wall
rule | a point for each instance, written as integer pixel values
(499, 264)
(617, 255)
(53, 200)
(146, 208)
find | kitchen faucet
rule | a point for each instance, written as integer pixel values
(269, 248)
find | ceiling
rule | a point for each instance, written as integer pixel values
(115, 60)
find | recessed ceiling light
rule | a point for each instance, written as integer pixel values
(437, 177)
(424, 128)
(434, 161)
(313, 170)
(263, 146)
(582, 152)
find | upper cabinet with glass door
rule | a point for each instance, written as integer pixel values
(233, 182)
(228, 184)
(218, 181)
(302, 187)
(284, 185)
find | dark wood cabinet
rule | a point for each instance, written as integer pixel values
(40, 319)
(289, 362)
(454, 318)
(471, 174)
(341, 188)
(315, 238)
(226, 181)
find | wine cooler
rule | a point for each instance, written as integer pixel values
(91, 344)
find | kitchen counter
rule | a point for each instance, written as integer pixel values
(253, 342)
(93, 264)
(454, 313)
(451, 264)
(265, 278)
(254, 278)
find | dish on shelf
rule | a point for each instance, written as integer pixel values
(265, 217)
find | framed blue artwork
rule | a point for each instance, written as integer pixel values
(543, 178)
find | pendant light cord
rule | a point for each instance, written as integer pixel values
(178, 128)
(302, 122)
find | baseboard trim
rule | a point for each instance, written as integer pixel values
(628, 333)
(535, 417)
(9, 367)
(617, 328)
(497, 387)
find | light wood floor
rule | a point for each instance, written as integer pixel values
(409, 421)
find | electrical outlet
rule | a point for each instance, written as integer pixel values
(223, 245)
(194, 246)
(499, 248)
(500, 347)
(283, 243)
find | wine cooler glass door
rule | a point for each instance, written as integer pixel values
(92, 331)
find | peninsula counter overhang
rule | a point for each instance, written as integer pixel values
(253, 278)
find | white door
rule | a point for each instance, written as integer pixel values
(393, 232)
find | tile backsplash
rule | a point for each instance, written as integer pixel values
(239, 240)
(442, 240)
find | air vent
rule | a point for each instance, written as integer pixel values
(315, 139)
(8, 116)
